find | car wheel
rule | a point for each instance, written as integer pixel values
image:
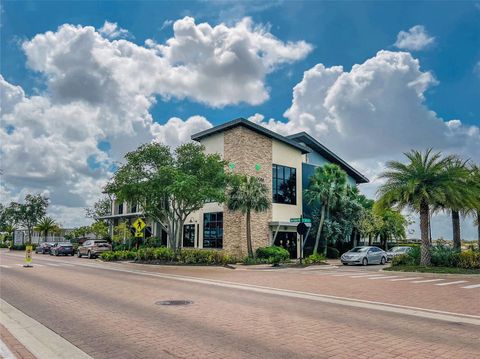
(89, 255)
(79, 255)
(383, 260)
(345, 264)
(57, 254)
(364, 261)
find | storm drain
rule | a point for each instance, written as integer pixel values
(174, 302)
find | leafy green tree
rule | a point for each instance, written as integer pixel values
(419, 184)
(327, 187)
(389, 224)
(100, 208)
(28, 214)
(247, 195)
(99, 229)
(170, 186)
(81, 232)
(120, 233)
(45, 226)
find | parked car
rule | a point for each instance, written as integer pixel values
(93, 248)
(364, 255)
(44, 247)
(397, 251)
(62, 248)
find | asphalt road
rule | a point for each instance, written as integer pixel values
(110, 310)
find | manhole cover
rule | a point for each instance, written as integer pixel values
(173, 302)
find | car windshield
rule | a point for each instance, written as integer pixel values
(359, 249)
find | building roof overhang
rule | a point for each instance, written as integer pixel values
(316, 146)
(252, 126)
(124, 215)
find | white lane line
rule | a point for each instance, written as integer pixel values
(4, 266)
(42, 342)
(408, 278)
(366, 275)
(53, 265)
(472, 286)
(450, 283)
(384, 277)
(428, 281)
(5, 353)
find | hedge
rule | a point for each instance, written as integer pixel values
(167, 255)
(441, 257)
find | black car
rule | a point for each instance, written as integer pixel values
(44, 247)
(62, 248)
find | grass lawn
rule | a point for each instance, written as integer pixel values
(423, 269)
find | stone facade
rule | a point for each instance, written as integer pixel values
(246, 149)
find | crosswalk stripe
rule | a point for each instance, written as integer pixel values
(388, 276)
(428, 281)
(53, 265)
(472, 286)
(449, 283)
(408, 278)
(32, 264)
(366, 275)
(4, 266)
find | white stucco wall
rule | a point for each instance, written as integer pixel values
(286, 155)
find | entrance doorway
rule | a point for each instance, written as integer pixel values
(287, 240)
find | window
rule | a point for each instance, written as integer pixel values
(120, 208)
(133, 208)
(284, 184)
(189, 235)
(213, 230)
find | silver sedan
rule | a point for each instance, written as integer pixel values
(364, 255)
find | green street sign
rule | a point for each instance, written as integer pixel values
(298, 220)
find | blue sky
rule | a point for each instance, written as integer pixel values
(86, 81)
(343, 33)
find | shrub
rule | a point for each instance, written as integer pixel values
(272, 255)
(444, 256)
(411, 258)
(332, 253)
(21, 247)
(315, 258)
(204, 256)
(468, 259)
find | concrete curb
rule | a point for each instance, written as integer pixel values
(42, 342)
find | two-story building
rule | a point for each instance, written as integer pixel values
(284, 162)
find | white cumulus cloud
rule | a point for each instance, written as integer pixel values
(416, 38)
(111, 30)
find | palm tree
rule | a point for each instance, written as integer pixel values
(327, 187)
(459, 198)
(46, 225)
(474, 209)
(420, 185)
(247, 194)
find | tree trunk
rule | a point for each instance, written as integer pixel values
(424, 233)
(369, 239)
(457, 243)
(249, 236)
(319, 230)
(478, 229)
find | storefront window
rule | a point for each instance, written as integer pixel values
(213, 230)
(189, 235)
(284, 184)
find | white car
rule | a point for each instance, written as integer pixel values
(397, 251)
(364, 255)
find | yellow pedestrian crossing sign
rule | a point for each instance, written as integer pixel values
(138, 225)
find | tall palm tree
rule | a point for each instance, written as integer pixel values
(474, 209)
(327, 187)
(419, 184)
(46, 225)
(247, 194)
(459, 198)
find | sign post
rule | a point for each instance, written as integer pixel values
(28, 256)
